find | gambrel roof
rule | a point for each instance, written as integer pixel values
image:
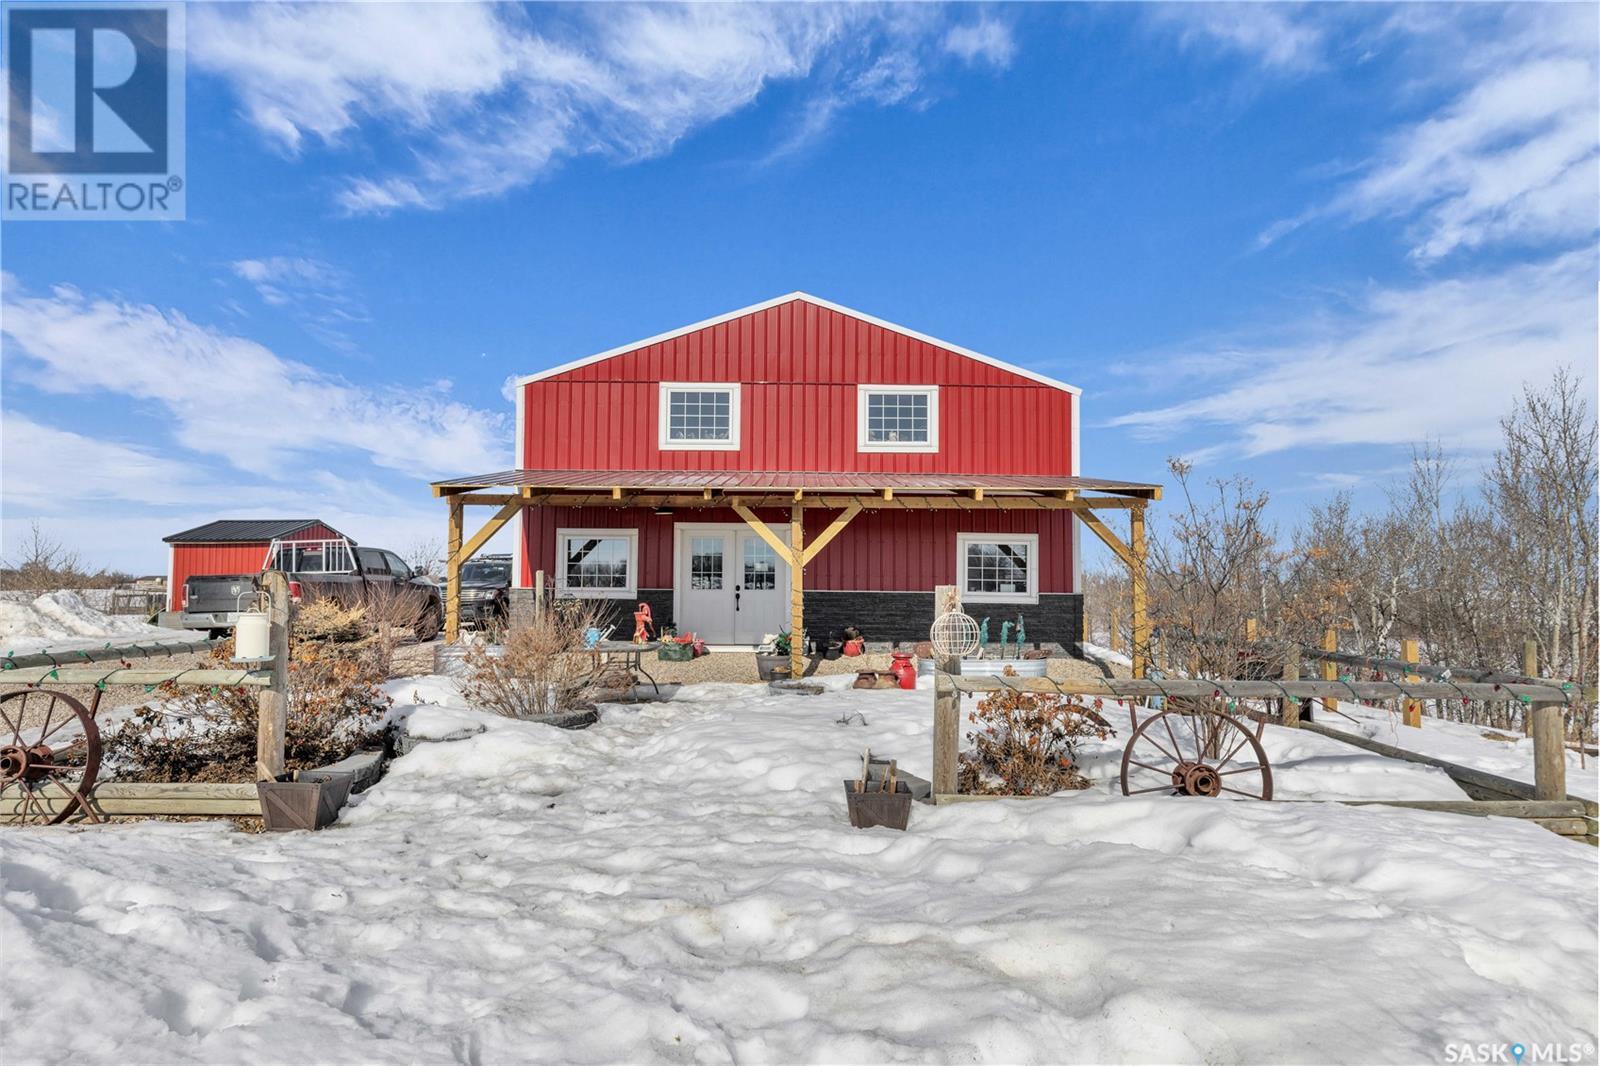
(634, 346)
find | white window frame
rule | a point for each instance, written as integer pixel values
(664, 413)
(1030, 539)
(865, 391)
(627, 593)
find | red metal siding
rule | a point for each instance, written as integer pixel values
(798, 365)
(239, 557)
(881, 550)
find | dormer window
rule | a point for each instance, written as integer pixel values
(699, 416)
(897, 418)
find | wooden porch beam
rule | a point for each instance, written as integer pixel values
(1112, 541)
(765, 533)
(834, 529)
(478, 499)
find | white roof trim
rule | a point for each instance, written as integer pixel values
(623, 349)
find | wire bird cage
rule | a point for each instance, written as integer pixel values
(954, 634)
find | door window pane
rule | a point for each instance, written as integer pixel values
(997, 566)
(760, 566)
(705, 562)
(597, 562)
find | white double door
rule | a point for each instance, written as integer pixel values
(732, 588)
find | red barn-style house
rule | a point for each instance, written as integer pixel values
(798, 463)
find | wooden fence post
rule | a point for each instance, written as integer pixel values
(946, 704)
(1549, 751)
(1250, 630)
(1411, 714)
(1530, 668)
(538, 596)
(1330, 672)
(1116, 630)
(272, 702)
(1291, 672)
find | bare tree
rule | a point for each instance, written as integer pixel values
(42, 563)
(1215, 565)
(426, 557)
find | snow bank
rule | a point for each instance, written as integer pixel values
(61, 620)
(680, 883)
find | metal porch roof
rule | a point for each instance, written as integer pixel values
(787, 481)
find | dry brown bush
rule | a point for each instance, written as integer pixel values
(540, 669)
(1026, 744)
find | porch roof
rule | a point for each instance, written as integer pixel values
(759, 482)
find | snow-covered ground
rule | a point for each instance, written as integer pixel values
(680, 883)
(1462, 744)
(62, 621)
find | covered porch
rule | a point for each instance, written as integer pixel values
(1090, 500)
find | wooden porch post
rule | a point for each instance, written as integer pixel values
(797, 589)
(452, 571)
(1137, 574)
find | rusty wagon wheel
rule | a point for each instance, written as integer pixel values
(1195, 752)
(47, 768)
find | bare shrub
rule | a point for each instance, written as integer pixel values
(395, 615)
(540, 669)
(335, 708)
(40, 563)
(1026, 744)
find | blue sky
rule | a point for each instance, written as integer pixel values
(1284, 241)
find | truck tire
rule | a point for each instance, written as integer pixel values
(428, 625)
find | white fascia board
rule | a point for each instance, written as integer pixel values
(623, 349)
(520, 524)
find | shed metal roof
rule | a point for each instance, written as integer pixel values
(243, 530)
(789, 481)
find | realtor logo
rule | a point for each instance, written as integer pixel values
(94, 125)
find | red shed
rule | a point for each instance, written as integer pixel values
(685, 469)
(231, 546)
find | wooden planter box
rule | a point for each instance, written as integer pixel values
(889, 809)
(310, 801)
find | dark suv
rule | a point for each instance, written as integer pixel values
(486, 589)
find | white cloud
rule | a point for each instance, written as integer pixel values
(1515, 157)
(231, 397)
(1439, 360)
(1283, 37)
(487, 97)
(988, 40)
(35, 455)
(1508, 155)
